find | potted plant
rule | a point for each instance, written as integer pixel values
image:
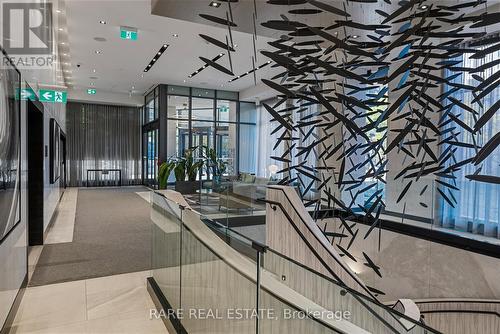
(185, 170)
(215, 166)
(164, 172)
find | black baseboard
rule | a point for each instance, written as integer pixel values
(239, 221)
(15, 307)
(172, 322)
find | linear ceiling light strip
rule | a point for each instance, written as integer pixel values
(156, 57)
(251, 71)
(219, 56)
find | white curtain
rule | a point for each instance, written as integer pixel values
(477, 204)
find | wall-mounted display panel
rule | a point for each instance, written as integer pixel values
(55, 151)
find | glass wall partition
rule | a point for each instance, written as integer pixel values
(248, 138)
(151, 108)
(177, 125)
(227, 134)
(150, 134)
(194, 117)
(150, 159)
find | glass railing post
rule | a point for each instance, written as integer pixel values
(261, 249)
(182, 208)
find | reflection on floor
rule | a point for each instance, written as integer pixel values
(112, 304)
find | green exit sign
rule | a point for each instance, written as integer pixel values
(55, 96)
(128, 33)
(91, 91)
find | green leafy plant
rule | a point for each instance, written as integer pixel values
(191, 167)
(185, 168)
(215, 165)
(164, 172)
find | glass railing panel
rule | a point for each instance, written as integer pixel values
(165, 254)
(363, 312)
(234, 203)
(278, 317)
(209, 284)
(210, 198)
(236, 240)
(198, 275)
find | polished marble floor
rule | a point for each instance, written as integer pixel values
(112, 304)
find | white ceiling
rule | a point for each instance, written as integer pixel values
(120, 65)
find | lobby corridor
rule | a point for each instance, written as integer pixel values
(112, 235)
(90, 276)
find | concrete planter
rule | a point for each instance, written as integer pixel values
(187, 187)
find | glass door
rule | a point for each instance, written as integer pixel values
(151, 158)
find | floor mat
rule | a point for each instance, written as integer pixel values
(112, 236)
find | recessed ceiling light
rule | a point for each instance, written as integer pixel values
(102, 22)
(424, 7)
(133, 87)
(175, 35)
(235, 45)
(165, 45)
(97, 51)
(355, 36)
(94, 70)
(92, 84)
(221, 54)
(184, 80)
(62, 43)
(61, 29)
(58, 11)
(215, 4)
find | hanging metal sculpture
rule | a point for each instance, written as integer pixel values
(349, 79)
